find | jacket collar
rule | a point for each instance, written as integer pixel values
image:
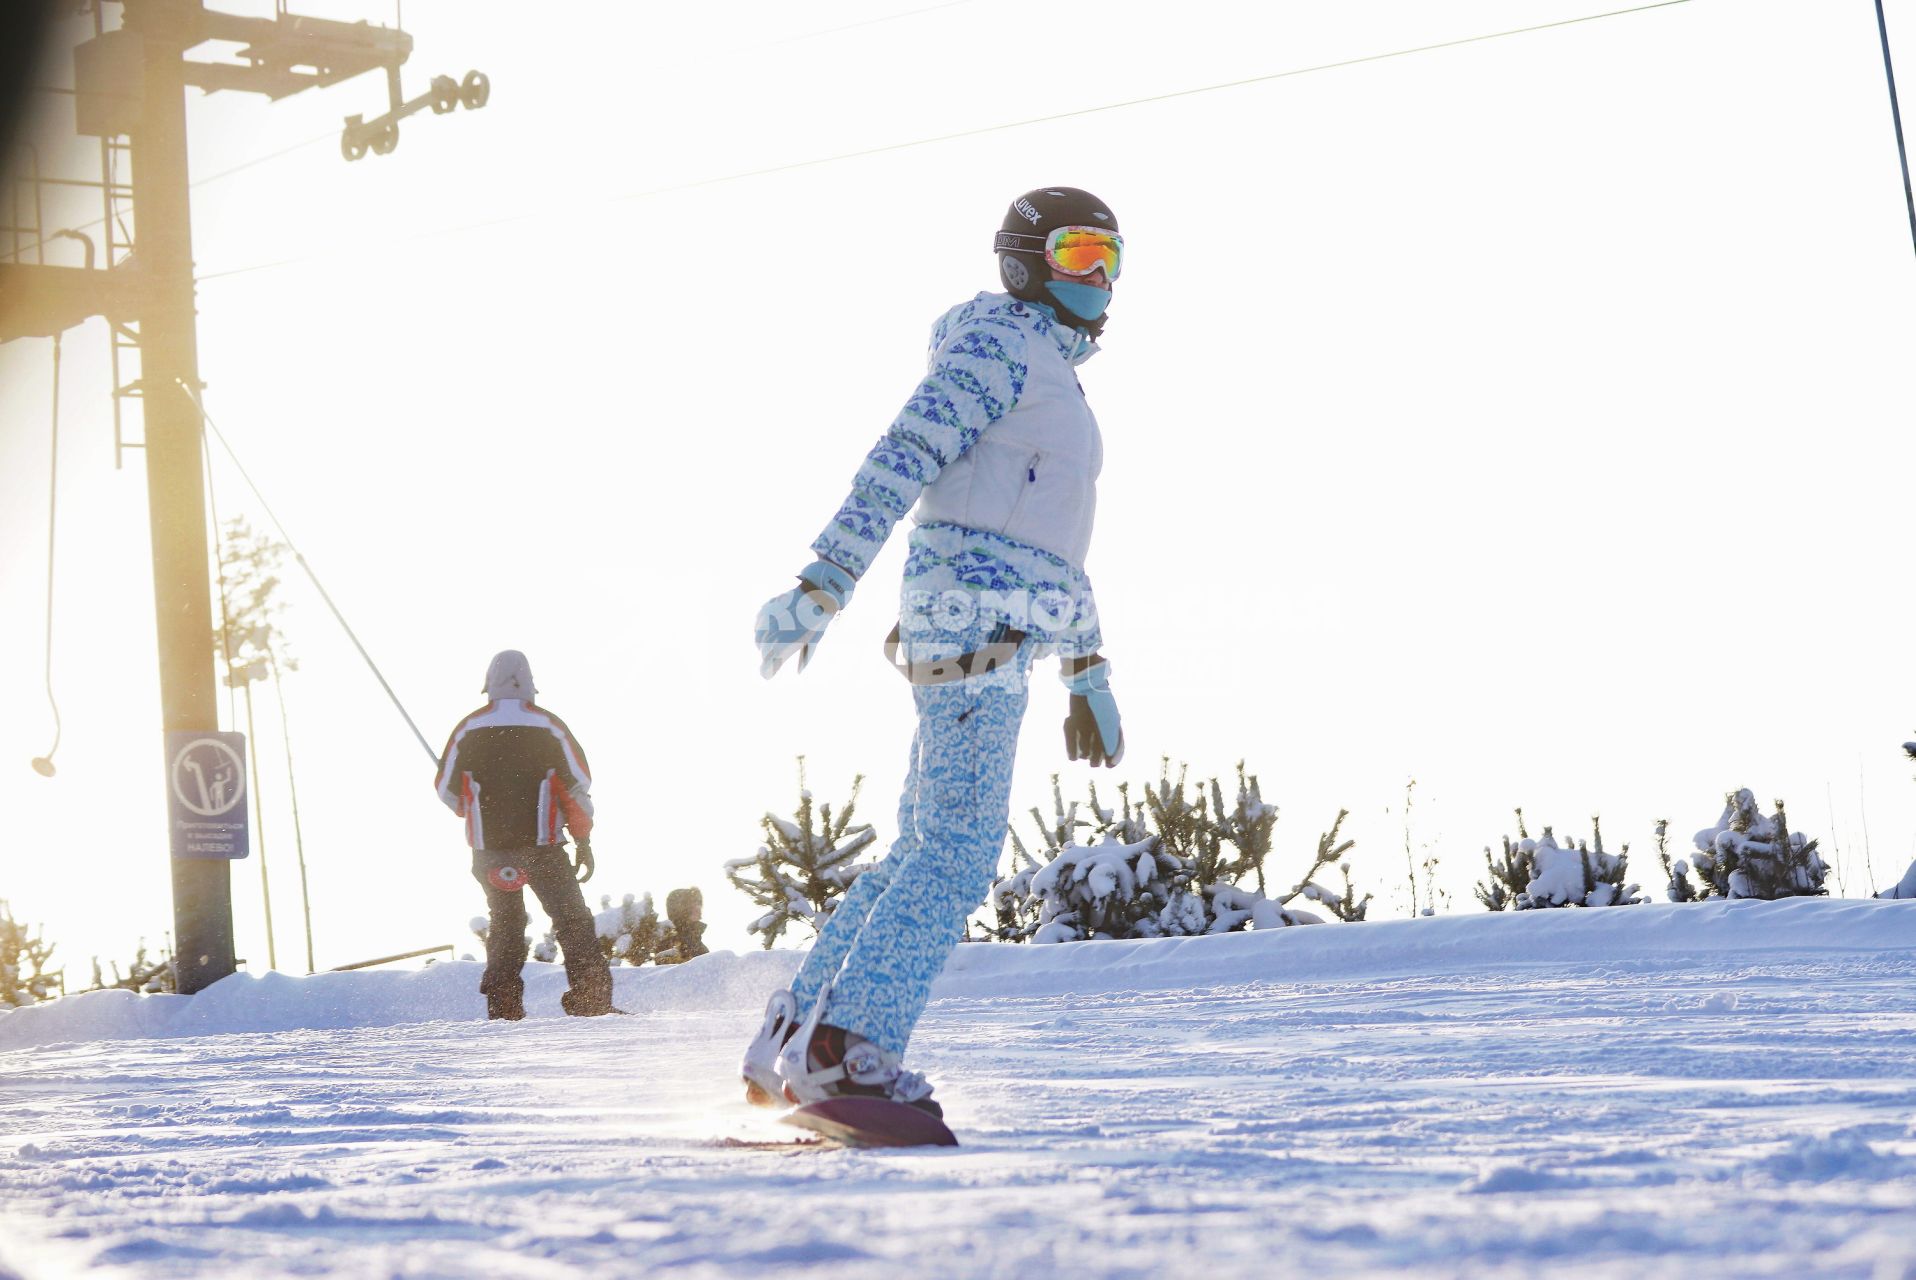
(1074, 344)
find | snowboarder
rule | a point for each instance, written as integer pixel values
(999, 453)
(517, 776)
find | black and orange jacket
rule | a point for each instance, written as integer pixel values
(515, 773)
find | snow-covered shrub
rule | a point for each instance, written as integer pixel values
(545, 950)
(1746, 855)
(1542, 873)
(24, 976)
(1679, 889)
(685, 935)
(631, 933)
(146, 974)
(805, 865)
(1904, 888)
(1168, 866)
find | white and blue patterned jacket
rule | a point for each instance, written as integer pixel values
(999, 453)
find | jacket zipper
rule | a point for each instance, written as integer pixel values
(1031, 478)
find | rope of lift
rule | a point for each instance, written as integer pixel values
(207, 420)
(43, 765)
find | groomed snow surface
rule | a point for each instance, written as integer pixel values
(1709, 1089)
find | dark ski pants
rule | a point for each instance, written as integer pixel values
(548, 873)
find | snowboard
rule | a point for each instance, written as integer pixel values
(871, 1122)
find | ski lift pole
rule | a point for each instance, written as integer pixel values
(1896, 114)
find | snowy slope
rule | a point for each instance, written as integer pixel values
(1715, 1089)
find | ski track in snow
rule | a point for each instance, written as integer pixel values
(1735, 1113)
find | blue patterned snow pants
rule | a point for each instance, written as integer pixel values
(897, 924)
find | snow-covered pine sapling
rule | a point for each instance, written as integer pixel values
(1904, 888)
(1180, 825)
(629, 933)
(1603, 877)
(1168, 866)
(24, 955)
(1410, 860)
(1748, 855)
(1349, 908)
(1511, 874)
(1678, 871)
(1065, 823)
(805, 865)
(1542, 873)
(1110, 890)
(685, 934)
(146, 974)
(1011, 899)
(1433, 895)
(1247, 828)
(1330, 851)
(1020, 911)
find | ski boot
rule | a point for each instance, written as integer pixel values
(759, 1069)
(822, 1062)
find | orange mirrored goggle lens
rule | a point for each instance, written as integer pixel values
(1079, 251)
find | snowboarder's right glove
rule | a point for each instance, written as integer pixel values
(1092, 731)
(792, 623)
(582, 863)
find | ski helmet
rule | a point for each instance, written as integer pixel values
(1020, 244)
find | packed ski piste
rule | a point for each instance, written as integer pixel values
(1722, 1088)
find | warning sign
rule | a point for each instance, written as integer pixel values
(206, 794)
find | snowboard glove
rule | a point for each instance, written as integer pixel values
(793, 622)
(582, 862)
(1093, 730)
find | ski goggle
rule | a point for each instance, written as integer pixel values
(1076, 251)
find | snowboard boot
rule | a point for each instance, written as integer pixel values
(831, 1062)
(759, 1070)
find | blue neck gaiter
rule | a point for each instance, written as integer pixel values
(1083, 300)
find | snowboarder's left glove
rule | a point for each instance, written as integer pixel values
(793, 622)
(1093, 731)
(582, 863)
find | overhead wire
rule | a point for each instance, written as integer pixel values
(1896, 114)
(19, 254)
(299, 557)
(334, 133)
(865, 22)
(980, 131)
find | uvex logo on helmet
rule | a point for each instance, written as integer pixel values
(1024, 207)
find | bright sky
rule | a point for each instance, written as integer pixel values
(1529, 418)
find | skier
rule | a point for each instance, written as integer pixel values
(999, 453)
(515, 773)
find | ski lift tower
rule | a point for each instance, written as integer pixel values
(129, 91)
